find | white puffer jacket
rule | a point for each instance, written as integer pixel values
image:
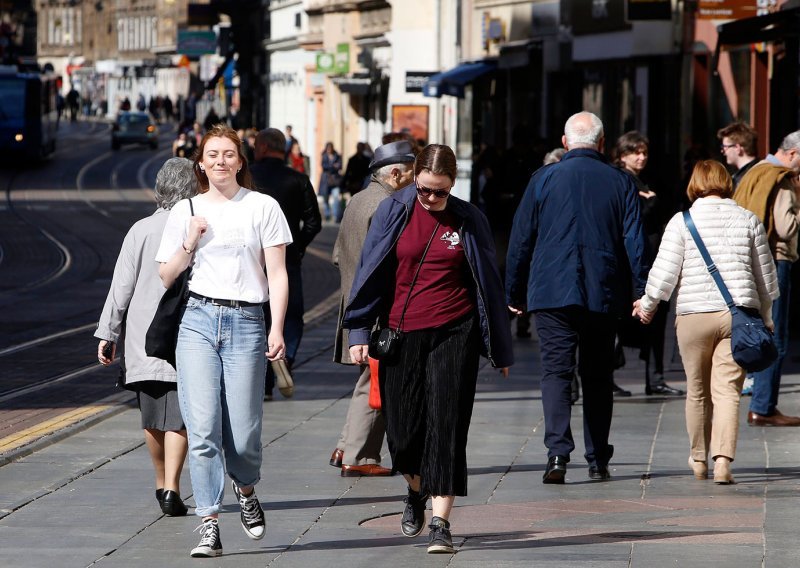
(737, 243)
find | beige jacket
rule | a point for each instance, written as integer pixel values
(347, 251)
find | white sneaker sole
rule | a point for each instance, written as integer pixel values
(206, 552)
(440, 549)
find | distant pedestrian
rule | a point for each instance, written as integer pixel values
(297, 160)
(576, 240)
(141, 104)
(769, 189)
(357, 172)
(738, 143)
(739, 249)
(211, 120)
(428, 269)
(236, 242)
(295, 195)
(168, 108)
(290, 139)
(73, 102)
(125, 105)
(358, 451)
(631, 154)
(330, 183)
(131, 303)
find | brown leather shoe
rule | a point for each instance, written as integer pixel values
(777, 419)
(336, 458)
(370, 469)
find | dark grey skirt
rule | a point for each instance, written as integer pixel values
(158, 403)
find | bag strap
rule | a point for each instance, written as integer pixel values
(712, 268)
(191, 207)
(414, 280)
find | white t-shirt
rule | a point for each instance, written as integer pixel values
(229, 260)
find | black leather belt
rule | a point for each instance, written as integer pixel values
(226, 303)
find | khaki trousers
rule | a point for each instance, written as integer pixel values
(713, 381)
(362, 436)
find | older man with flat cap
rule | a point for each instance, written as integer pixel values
(358, 451)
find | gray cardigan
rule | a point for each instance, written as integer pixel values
(133, 298)
(347, 251)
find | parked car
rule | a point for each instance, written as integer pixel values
(134, 127)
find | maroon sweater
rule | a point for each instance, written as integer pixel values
(440, 294)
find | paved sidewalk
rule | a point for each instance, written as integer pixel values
(87, 500)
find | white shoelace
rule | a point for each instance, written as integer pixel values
(209, 530)
(250, 508)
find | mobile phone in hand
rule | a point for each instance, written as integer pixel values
(107, 349)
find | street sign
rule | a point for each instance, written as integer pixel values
(325, 62)
(196, 43)
(342, 63)
(734, 9)
(415, 80)
(337, 63)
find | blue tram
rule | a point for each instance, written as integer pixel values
(28, 113)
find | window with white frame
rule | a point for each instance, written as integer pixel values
(63, 26)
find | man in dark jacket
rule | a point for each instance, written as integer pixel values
(295, 195)
(576, 241)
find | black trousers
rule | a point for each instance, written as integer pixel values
(561, 332)
(427, 397)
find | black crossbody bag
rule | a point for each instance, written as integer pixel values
(385, 342)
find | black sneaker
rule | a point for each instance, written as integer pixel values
(210, 543)
(414, 514)
(440, 539)
(252, 514)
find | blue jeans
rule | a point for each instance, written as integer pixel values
(220, 361)
(767, 383)
(332, 205)
(293, 322)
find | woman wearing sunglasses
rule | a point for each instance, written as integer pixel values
(428, 269)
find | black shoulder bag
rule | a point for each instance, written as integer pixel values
(384, 343)
(162, 335)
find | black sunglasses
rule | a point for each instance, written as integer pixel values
(425, 192)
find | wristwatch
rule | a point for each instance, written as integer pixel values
(186, 250)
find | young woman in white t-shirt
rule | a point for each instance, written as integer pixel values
(234, 235)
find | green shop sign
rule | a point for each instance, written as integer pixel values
(337, 63)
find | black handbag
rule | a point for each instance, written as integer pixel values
(752, 344)
(162, 335)
(384, 343)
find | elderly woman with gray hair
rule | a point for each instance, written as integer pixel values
(131, 303)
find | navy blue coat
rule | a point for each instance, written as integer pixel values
(577, 238)
(373, 287)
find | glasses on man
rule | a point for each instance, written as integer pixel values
(724, 147)
(426, 192)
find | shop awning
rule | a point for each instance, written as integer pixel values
(453, 81)
(771, 27)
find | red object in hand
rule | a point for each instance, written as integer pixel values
(374, 385)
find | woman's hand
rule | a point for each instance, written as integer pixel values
(276, 347)
(359, 354)
(103, 348)
(639, 312)
(197, 228)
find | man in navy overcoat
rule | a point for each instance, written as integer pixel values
(576, 259)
